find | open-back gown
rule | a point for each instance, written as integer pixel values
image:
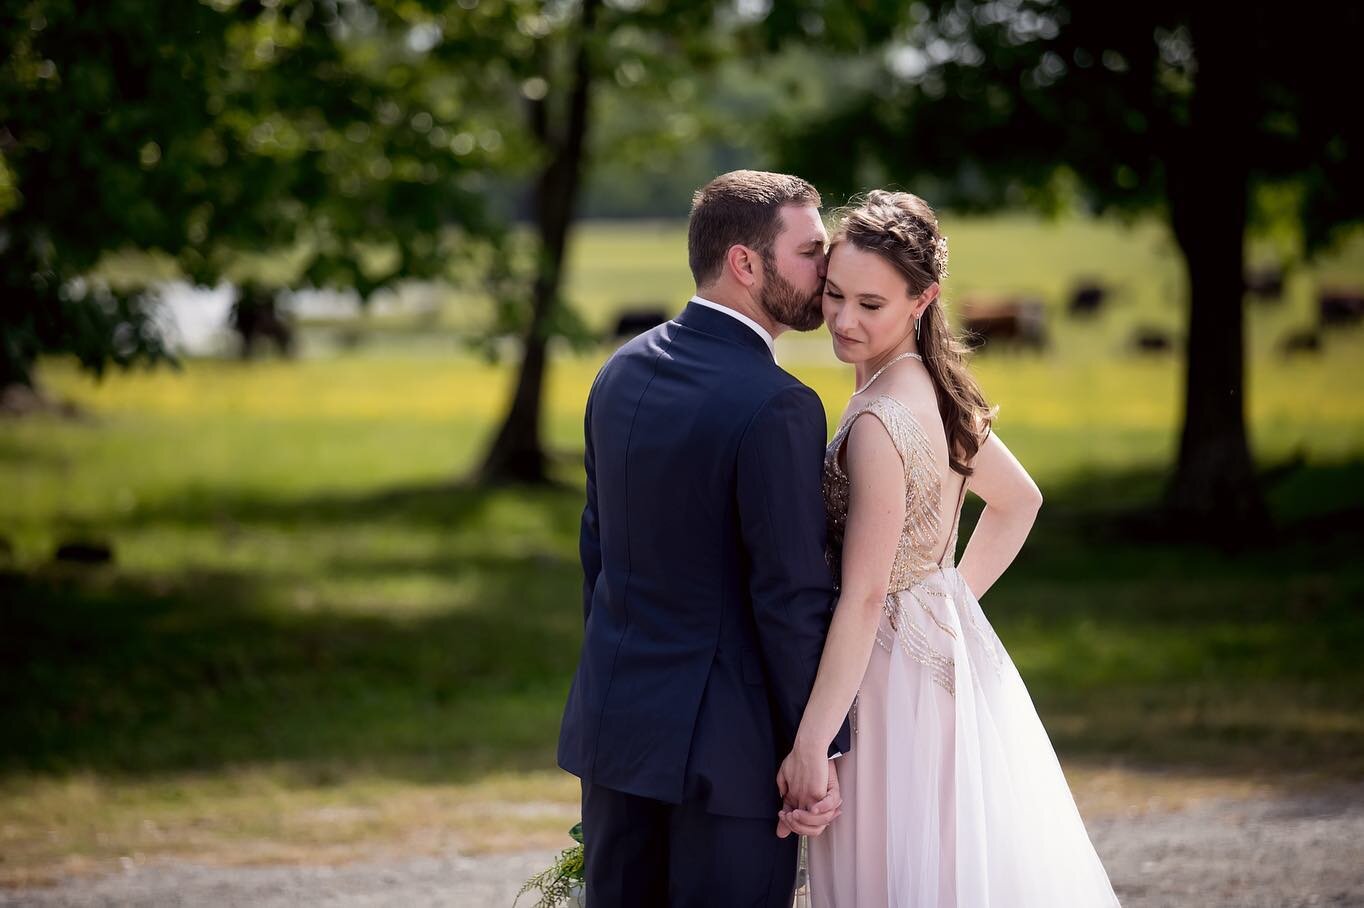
(952, 793)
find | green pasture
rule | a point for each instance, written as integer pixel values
(316, 640)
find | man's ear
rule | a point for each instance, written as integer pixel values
(742, 263)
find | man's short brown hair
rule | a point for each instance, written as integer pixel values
(742, 207)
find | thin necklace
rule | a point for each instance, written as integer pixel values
(884, 368)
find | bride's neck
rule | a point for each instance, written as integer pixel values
(863, 371)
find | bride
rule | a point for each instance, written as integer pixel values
(951, 794)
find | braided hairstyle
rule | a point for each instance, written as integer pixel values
(902, 229)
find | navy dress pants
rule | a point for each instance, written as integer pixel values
(643, 853)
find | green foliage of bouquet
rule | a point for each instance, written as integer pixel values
(558, 883)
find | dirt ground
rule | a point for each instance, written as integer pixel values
(1304, 848)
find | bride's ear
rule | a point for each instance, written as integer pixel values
(928, 296)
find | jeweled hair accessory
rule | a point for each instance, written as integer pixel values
(940, 257)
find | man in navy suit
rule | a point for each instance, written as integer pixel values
(707, 597)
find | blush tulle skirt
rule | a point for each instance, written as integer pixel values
(952, 793)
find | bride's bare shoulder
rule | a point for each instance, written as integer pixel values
(905, 424)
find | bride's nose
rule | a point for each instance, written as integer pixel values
(844, 318)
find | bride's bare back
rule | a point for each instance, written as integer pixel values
(911, 432)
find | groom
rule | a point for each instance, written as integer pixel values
(707, 596)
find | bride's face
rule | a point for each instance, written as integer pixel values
(868, 308)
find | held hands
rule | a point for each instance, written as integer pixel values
(807, 810)
(804, 775)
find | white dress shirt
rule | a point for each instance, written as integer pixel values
(732, 313)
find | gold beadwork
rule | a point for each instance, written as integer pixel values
(946, 629)
(914, 558)
(914, 555)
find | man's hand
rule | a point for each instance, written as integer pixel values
(812, 820)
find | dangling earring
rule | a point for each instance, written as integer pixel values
(916, 327)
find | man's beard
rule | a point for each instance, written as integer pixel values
(786, 304)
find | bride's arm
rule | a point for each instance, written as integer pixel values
(876, 514)
(1011, 503)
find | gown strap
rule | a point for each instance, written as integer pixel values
(956, 525)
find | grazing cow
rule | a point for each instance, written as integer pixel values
(1148, 339)
(1266, 282)
(1340, 305)
(1303, 340)
(1015, 321)
(636, 321)
(1087, 297)
(256, 317)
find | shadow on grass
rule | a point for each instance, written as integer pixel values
(451, 504)
(1135, 651)
(204, 670)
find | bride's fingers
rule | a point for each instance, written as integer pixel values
(830, 801)
(807, 818)
(783, 830)
(808, 828)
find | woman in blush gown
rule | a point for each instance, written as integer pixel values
(952, 793)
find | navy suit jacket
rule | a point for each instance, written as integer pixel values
(707, 597)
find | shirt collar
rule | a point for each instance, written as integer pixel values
(759, 329)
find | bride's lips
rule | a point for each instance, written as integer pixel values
(846, 340)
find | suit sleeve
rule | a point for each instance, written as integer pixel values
(589, 539)
(781, 514)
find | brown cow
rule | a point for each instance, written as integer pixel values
(1018, 321)
(1340, 305)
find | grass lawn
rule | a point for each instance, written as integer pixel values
(315, 643)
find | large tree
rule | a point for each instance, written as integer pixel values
(1180, 109)
(384, 138)
(553, 66)
(206, 129)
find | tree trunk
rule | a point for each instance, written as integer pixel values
(19, 306)
(517, 453)
(16, 367)
(1214, 494)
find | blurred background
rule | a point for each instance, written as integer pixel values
(299, 307)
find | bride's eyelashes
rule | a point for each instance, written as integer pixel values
(835, 295)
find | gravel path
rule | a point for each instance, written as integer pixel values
(453, 880)
(1298, 850)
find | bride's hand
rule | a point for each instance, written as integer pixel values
(804, 775)
(817, 818)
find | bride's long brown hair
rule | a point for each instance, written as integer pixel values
(903, 229)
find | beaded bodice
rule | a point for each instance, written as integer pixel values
(916, 555)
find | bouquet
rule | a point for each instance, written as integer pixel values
(561, 884)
